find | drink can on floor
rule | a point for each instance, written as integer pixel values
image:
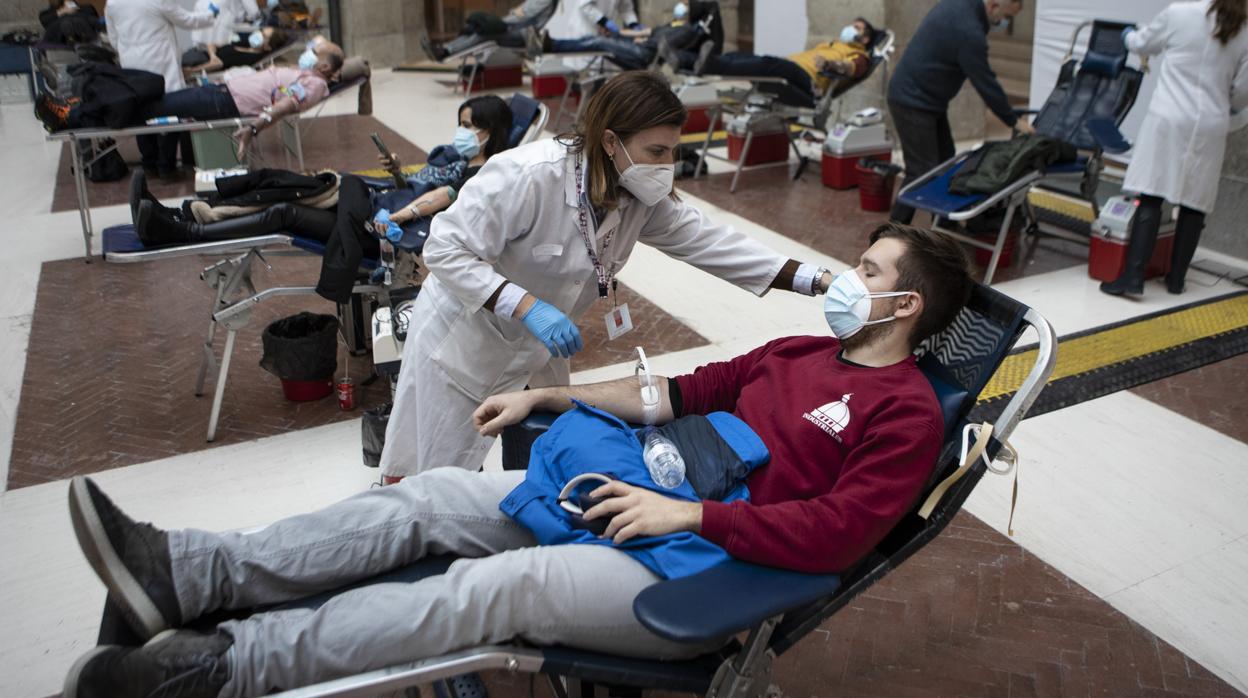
(346, 394)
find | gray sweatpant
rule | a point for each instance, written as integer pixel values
(507, 587)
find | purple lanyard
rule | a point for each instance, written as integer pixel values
(605, 278)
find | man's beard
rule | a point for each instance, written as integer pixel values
(867, 336)
(871, 334)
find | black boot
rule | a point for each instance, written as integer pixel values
(1139, 250)
(156, 228)
(1186, 238)
(139, 193)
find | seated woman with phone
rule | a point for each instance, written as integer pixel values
(329, 206)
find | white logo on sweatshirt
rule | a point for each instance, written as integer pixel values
(832, 417)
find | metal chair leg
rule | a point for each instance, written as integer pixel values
(745, 152)
(1001, 238)
(710, 132)
(219, 391)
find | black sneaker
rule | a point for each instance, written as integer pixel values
(53, 112)
(132, 559)
(437, 53)
(175, 664)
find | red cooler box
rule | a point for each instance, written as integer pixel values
(1108, 256)
(699, 119)
(840, 170)
(770, 142)
(492, 76)
(864, 136)
(550, 85)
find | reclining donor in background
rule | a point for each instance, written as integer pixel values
(806, 74)
(821, 446)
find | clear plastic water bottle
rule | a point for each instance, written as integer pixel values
(663, 460)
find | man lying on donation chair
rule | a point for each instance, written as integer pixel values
(344, 212)
(805, 74)
(271, 95)
(817, 446)
(686, 32)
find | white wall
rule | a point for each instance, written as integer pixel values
(1055, 22)
(780, 27)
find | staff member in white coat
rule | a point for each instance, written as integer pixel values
(533, 240)
(142, 31)
(231, 13)
(1179, 150)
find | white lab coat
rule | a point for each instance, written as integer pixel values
(233, 12)
(516, 220)
(142, 31)
(1180, 146)
(575, 19)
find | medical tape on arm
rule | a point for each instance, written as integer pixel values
(1008, 456)
(651, 398)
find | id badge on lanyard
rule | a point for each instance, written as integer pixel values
(617, 320)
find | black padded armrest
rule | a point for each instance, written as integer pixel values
(726, 599)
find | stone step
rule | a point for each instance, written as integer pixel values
(1006, 46)
(1007, 68)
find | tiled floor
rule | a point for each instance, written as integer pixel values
(1215, 395)
(100, 395)
(1123, 579)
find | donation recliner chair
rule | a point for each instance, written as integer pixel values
(761, 109)
(1092, 97)
(777, 607)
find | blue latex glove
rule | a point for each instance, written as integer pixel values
(556, 331)
(393, 232)
(612, 27)
(212, 7)
(1126, 31)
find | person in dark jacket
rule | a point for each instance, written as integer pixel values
(851, 425)
(67, 22)
(949, 48)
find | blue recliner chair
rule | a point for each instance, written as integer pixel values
(777, 607)
(1092, 97)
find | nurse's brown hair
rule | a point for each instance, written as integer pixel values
(627, 104)
(1231, 15)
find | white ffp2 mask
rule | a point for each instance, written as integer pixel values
(649, 183)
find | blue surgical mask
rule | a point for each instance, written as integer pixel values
(307, 59)
(255, 39)
(466, 142)
(272, 4)
(847, 306)
(849, 35)
(680, 11)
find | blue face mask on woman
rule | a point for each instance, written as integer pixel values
(847, 306)
(849, 35)
(308, 59)
(466, 142)
(255, 39)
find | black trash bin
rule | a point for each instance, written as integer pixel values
(302, 350)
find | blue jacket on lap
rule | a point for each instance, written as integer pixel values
(588, 440)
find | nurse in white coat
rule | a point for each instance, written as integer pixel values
(533, 240)
(142, 32)
(1179, 150)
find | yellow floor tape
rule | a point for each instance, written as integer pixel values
(1061, 204)
(1132, 341)
(378, 172)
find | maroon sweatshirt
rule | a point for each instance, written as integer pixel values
(851, 450)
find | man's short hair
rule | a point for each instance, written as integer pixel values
(870, 32)
(935, 267)
(335, 60)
